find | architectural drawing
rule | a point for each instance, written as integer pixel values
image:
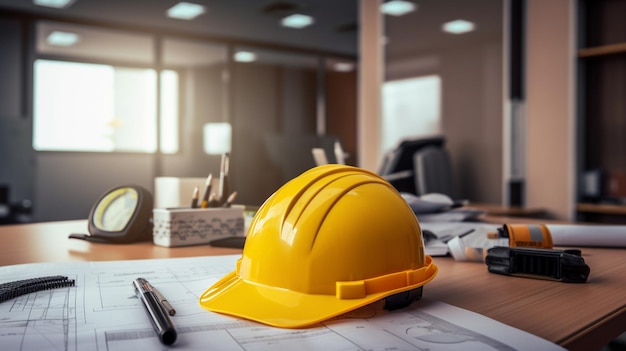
(101, 313)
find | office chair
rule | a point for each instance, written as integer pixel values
(433, 171)
(398, 166)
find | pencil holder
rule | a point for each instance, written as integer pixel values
(196, 226)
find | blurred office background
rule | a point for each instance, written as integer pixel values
(101, 93)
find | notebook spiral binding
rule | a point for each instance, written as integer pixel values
(17, 288)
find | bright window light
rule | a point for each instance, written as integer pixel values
(245, 56)
(297, 21)
(169, 112)
(58, 38)
(57, 4)
(217, 137)
(458, 27)
(100, 108)
(185, 11)
(398, 7)
(411, 108)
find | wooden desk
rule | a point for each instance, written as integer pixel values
(577, 316)
(602, 213)
(602, 208)
(508, 211)
(48, 242)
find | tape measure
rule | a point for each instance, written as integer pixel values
(121, 215)
(525, 235)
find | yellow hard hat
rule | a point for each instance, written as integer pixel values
(331, 240)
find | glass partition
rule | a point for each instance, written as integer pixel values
(202, 101)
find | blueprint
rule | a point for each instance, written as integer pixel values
(102, 313)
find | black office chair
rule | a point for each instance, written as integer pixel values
(433, 171)
(398, 165)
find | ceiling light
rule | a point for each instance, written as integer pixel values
(297, 21)
(458, 27)
(245, 56)
(398, 7)
(185, 11)
(58, 4)
(58, 38)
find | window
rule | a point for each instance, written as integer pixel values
(95, 107)
(411, 109)
(108, 104)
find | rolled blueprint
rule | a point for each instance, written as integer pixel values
(588, 235)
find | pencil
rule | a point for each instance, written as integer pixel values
(214, 201)
(230, 199)
(207, 191)
(223, 185)
(194, 198)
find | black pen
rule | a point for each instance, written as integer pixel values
(447, 238)
(159, 319)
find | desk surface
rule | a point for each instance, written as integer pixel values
(602, 208)
(577, 316)
(508, 211)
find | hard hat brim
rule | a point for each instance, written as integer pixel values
(285, 308)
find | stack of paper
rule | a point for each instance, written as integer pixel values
(101, 313)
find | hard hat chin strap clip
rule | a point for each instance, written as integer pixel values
(402, 299)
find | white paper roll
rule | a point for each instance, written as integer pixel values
(588, 235)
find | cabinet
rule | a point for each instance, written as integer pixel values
(602, 107)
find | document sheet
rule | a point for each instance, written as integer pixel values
(101, 313)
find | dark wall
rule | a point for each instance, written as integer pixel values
(17, 161)
(268, 101)
(341, 111)
(203, 97)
